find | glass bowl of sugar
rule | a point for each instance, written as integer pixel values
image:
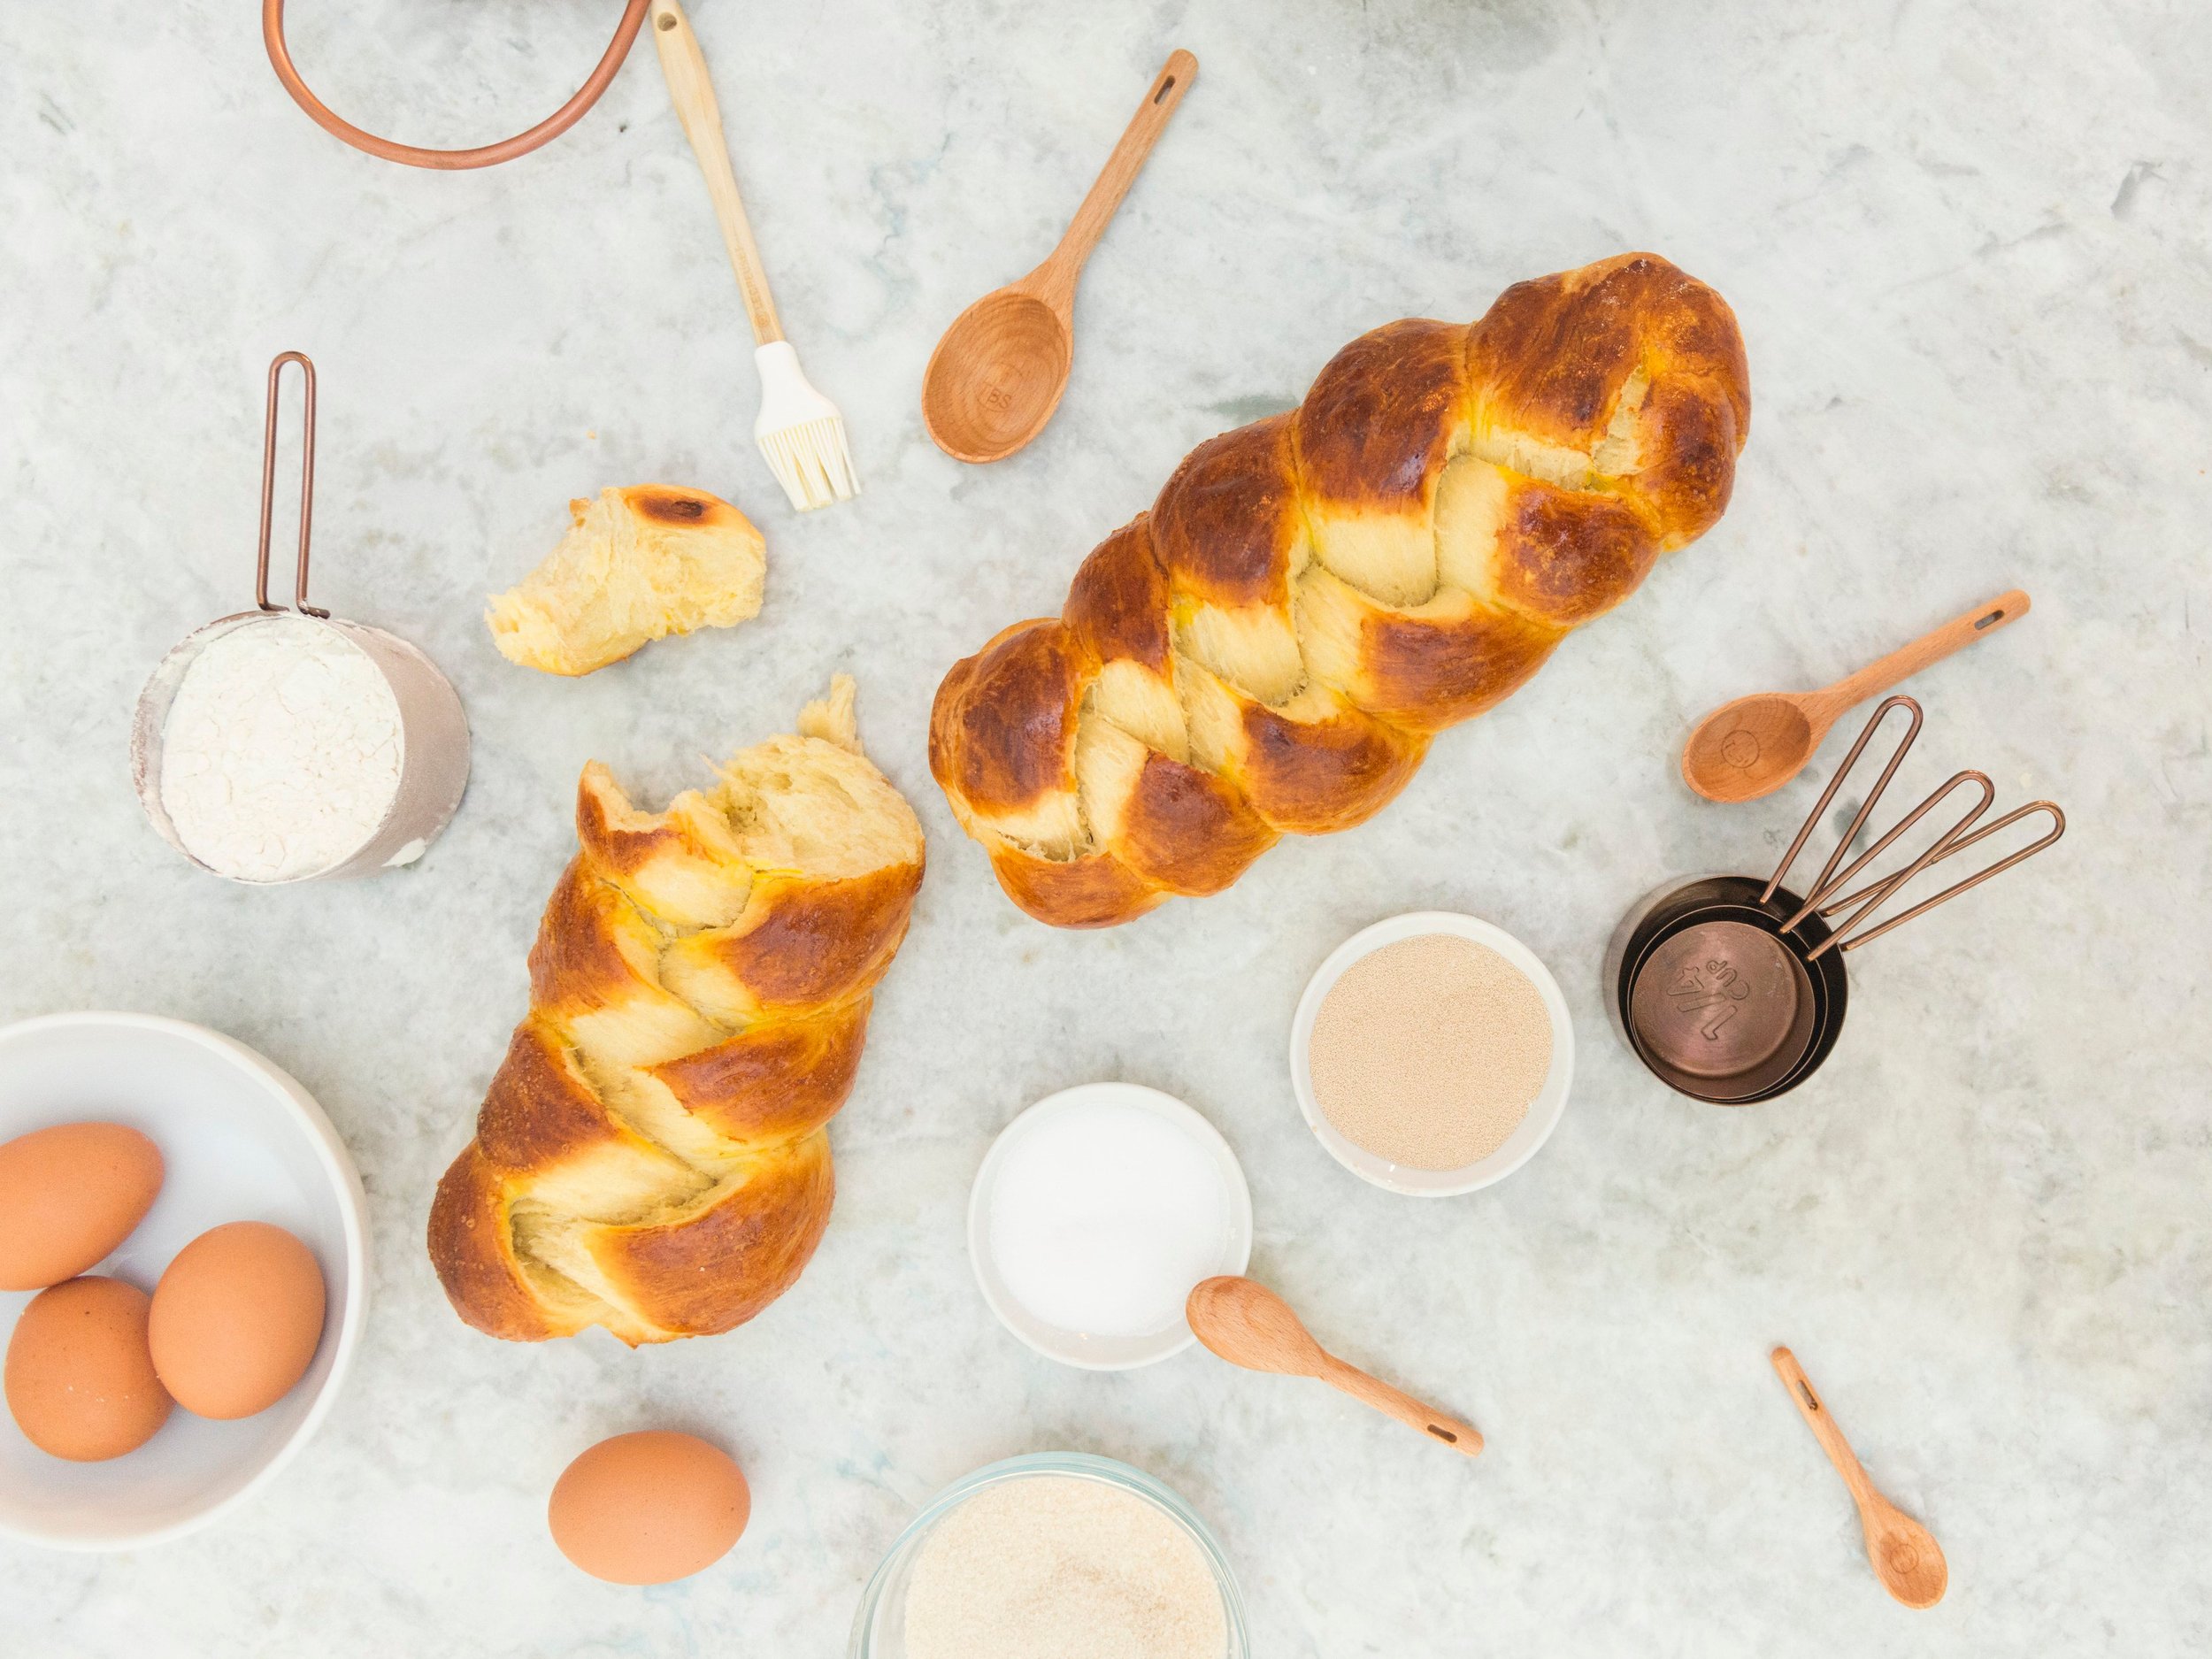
(1433, 1054)
(1054, 1553)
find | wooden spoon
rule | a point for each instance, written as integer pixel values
(1906, 1557)
(1249, 1324)
(997, 375)
(1755, 745)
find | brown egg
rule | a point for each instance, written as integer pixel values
(79, 1380)
(237, 1317)
(68, 1196)
(649, 1506)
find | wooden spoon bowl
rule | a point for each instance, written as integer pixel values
(1751, 746)
(1905, 1556)
(997, 375)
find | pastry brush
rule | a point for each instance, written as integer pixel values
(800, 432)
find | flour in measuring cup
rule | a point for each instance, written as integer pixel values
(281, 751)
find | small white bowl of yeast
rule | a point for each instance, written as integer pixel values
(240, 1141)
(1433, 1054)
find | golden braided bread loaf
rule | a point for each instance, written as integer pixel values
(1313, 596)
(653, 1155)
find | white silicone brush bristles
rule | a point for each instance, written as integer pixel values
(801, 433)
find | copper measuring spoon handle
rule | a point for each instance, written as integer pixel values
(1954, 843)
(1821, 896)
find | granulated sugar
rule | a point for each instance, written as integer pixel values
(1057, 1567)
(1428, 1052)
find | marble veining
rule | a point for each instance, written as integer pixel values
(1968, 245)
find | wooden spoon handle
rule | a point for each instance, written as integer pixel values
(692, 91)
(1823, 1426)
(1908, 660)
(1370, 1391)
(1056, 278)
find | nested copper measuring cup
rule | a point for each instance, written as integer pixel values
(1731, 990)
(433, 734)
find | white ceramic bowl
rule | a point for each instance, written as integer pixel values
(1544, 1111)
(1085, 1349)
(241, 1141)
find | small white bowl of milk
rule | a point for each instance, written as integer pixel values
(1095, 1212)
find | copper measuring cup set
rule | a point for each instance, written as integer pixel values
(1732, 990)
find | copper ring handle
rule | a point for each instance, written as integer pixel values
(450, 160)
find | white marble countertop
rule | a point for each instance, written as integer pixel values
(1968, 244)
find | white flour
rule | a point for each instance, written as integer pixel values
(281, 751)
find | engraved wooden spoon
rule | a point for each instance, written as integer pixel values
(1755, 745)
(1906, 1557)
(997, 375)
(1249, 1324)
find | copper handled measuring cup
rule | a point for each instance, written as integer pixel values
(433, 766)
(1732, 991)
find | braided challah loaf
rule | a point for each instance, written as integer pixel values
(653, 1155)
(1312, 597)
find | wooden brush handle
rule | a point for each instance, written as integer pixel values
(693, 93)
(1370, 1391)
(1908, 660)
(1823, 1426)
(1056, 278)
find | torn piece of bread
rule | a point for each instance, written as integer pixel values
(637, 564)
(831, 718)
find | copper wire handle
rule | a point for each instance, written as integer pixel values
(1812, 818)
(1881, 891)
(1820, 897)
(268, 483)
(450, 160)
(1955, 844)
